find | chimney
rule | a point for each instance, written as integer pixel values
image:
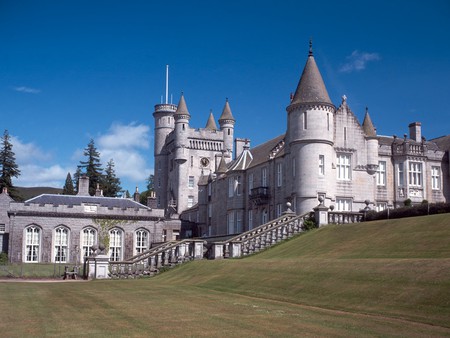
(83, 186)
(240, 145)
(415, 131)
(5, 191)
(136, 196)
(151, 200)
(98, 191)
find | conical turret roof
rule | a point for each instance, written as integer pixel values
(222, 169)
(367, 125)
(311, 88)
(211, 124)
(226, 113)
(182, 107)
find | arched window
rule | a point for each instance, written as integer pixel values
(88, 240)
(115, 244)
(61, 244)
(141, 241)
(32, 244)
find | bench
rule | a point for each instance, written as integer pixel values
(70, 274)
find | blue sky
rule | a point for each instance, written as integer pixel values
(75, 70)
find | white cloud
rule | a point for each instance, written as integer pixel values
(27, 152)
(357, 61)
(28, 90)
(128, 146)
(33, 175)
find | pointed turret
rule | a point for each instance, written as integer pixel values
(222, 169)
(182, 107)
(226, 123)
(367, 125)
(311, 88)
(226, 113)
(211, 124)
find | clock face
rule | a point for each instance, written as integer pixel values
(204, 162)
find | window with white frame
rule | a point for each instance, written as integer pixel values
(343, 204)
(435, 178)
(250, 183)
(264, 177)
(279, 209)
(321, 165)
(343, 167)
(238, 228)
(190, 201)
(415, 174)
(88, 239)
(400, 172)
(230, 186)
(380, 206)
(250, 219)
(238, 184)
(381, 173)
(32, 244)
(264, 216)
(191, 182)
(141, 240)
(279, 174)
(61, 242)
(115, 244)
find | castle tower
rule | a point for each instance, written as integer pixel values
(372, 144)
(226, 122)
(310, 139)
(164, 125)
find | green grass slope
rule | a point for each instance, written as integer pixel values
(384, 278)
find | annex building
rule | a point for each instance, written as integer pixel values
(219, 185)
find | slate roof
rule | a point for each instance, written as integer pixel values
(211, 124)
(243, 161)
(226, 113)
(182, 107)
(109, 202)
(261, 152)
(388, 140)
(367, 125)
(311, 88)
(443, 142)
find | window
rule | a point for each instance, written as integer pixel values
(279, 174)
(2, 228)
(381, 206)
(230, 186)
(415, 174)
(435, 178)
(344, 204)
(61, 244)
(305, 120)
(279, 209)
(264, 216)
(381, 173)
(115, 244)
(238, 185)
(250, 183)
(192, 161)
(210, 210)
(141, 241)
(250, 219)
(401, 181)
(88, 239)
(32, 244)
(190, 202)
(343, 167)
(230, 221)
(238, 228)
(321, 165)
(191, 182)
(264, 177)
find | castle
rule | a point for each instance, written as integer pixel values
(221, 186)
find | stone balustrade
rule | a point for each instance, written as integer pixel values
(344, 217)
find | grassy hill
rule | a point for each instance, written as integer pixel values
(383, 278)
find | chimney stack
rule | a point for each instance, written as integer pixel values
(83, 186)
(136, 195)
(151, 200)
(415, 131)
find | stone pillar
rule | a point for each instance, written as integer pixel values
(99, 267)
(321, 213)
(235, 249)
(217, 250)
(198, 249)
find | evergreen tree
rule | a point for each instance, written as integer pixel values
(76, 180)
(68, 186)
(127, 194)
(92, 166)
(111, 183)
(9, 168)
(151, 183)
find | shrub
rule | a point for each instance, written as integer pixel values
(407, 202)
(309, 223)
(3, 258)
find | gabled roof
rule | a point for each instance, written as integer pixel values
(211, 124)
(442, 142)
(109, 202)
(182, 107)
(226, 113)
(367, 125)
(311, 88)
(264, 151)
(222, 169)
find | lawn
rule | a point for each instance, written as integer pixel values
(383, 278)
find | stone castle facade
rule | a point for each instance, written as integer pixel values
(325, 153)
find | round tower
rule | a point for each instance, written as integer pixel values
(372, 144)
(226, 122)
(310, 139)
(182, 118)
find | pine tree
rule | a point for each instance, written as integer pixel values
(68, 186)
(151, 183)
(92, 167)
(76, 180)
(9, 168)
(111, 183)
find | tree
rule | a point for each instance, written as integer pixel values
(111, 183)
(150, 188)
(68, 186)
(76, 179)
(92, 166)
(9, 167)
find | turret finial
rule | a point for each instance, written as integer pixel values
(310, 47)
